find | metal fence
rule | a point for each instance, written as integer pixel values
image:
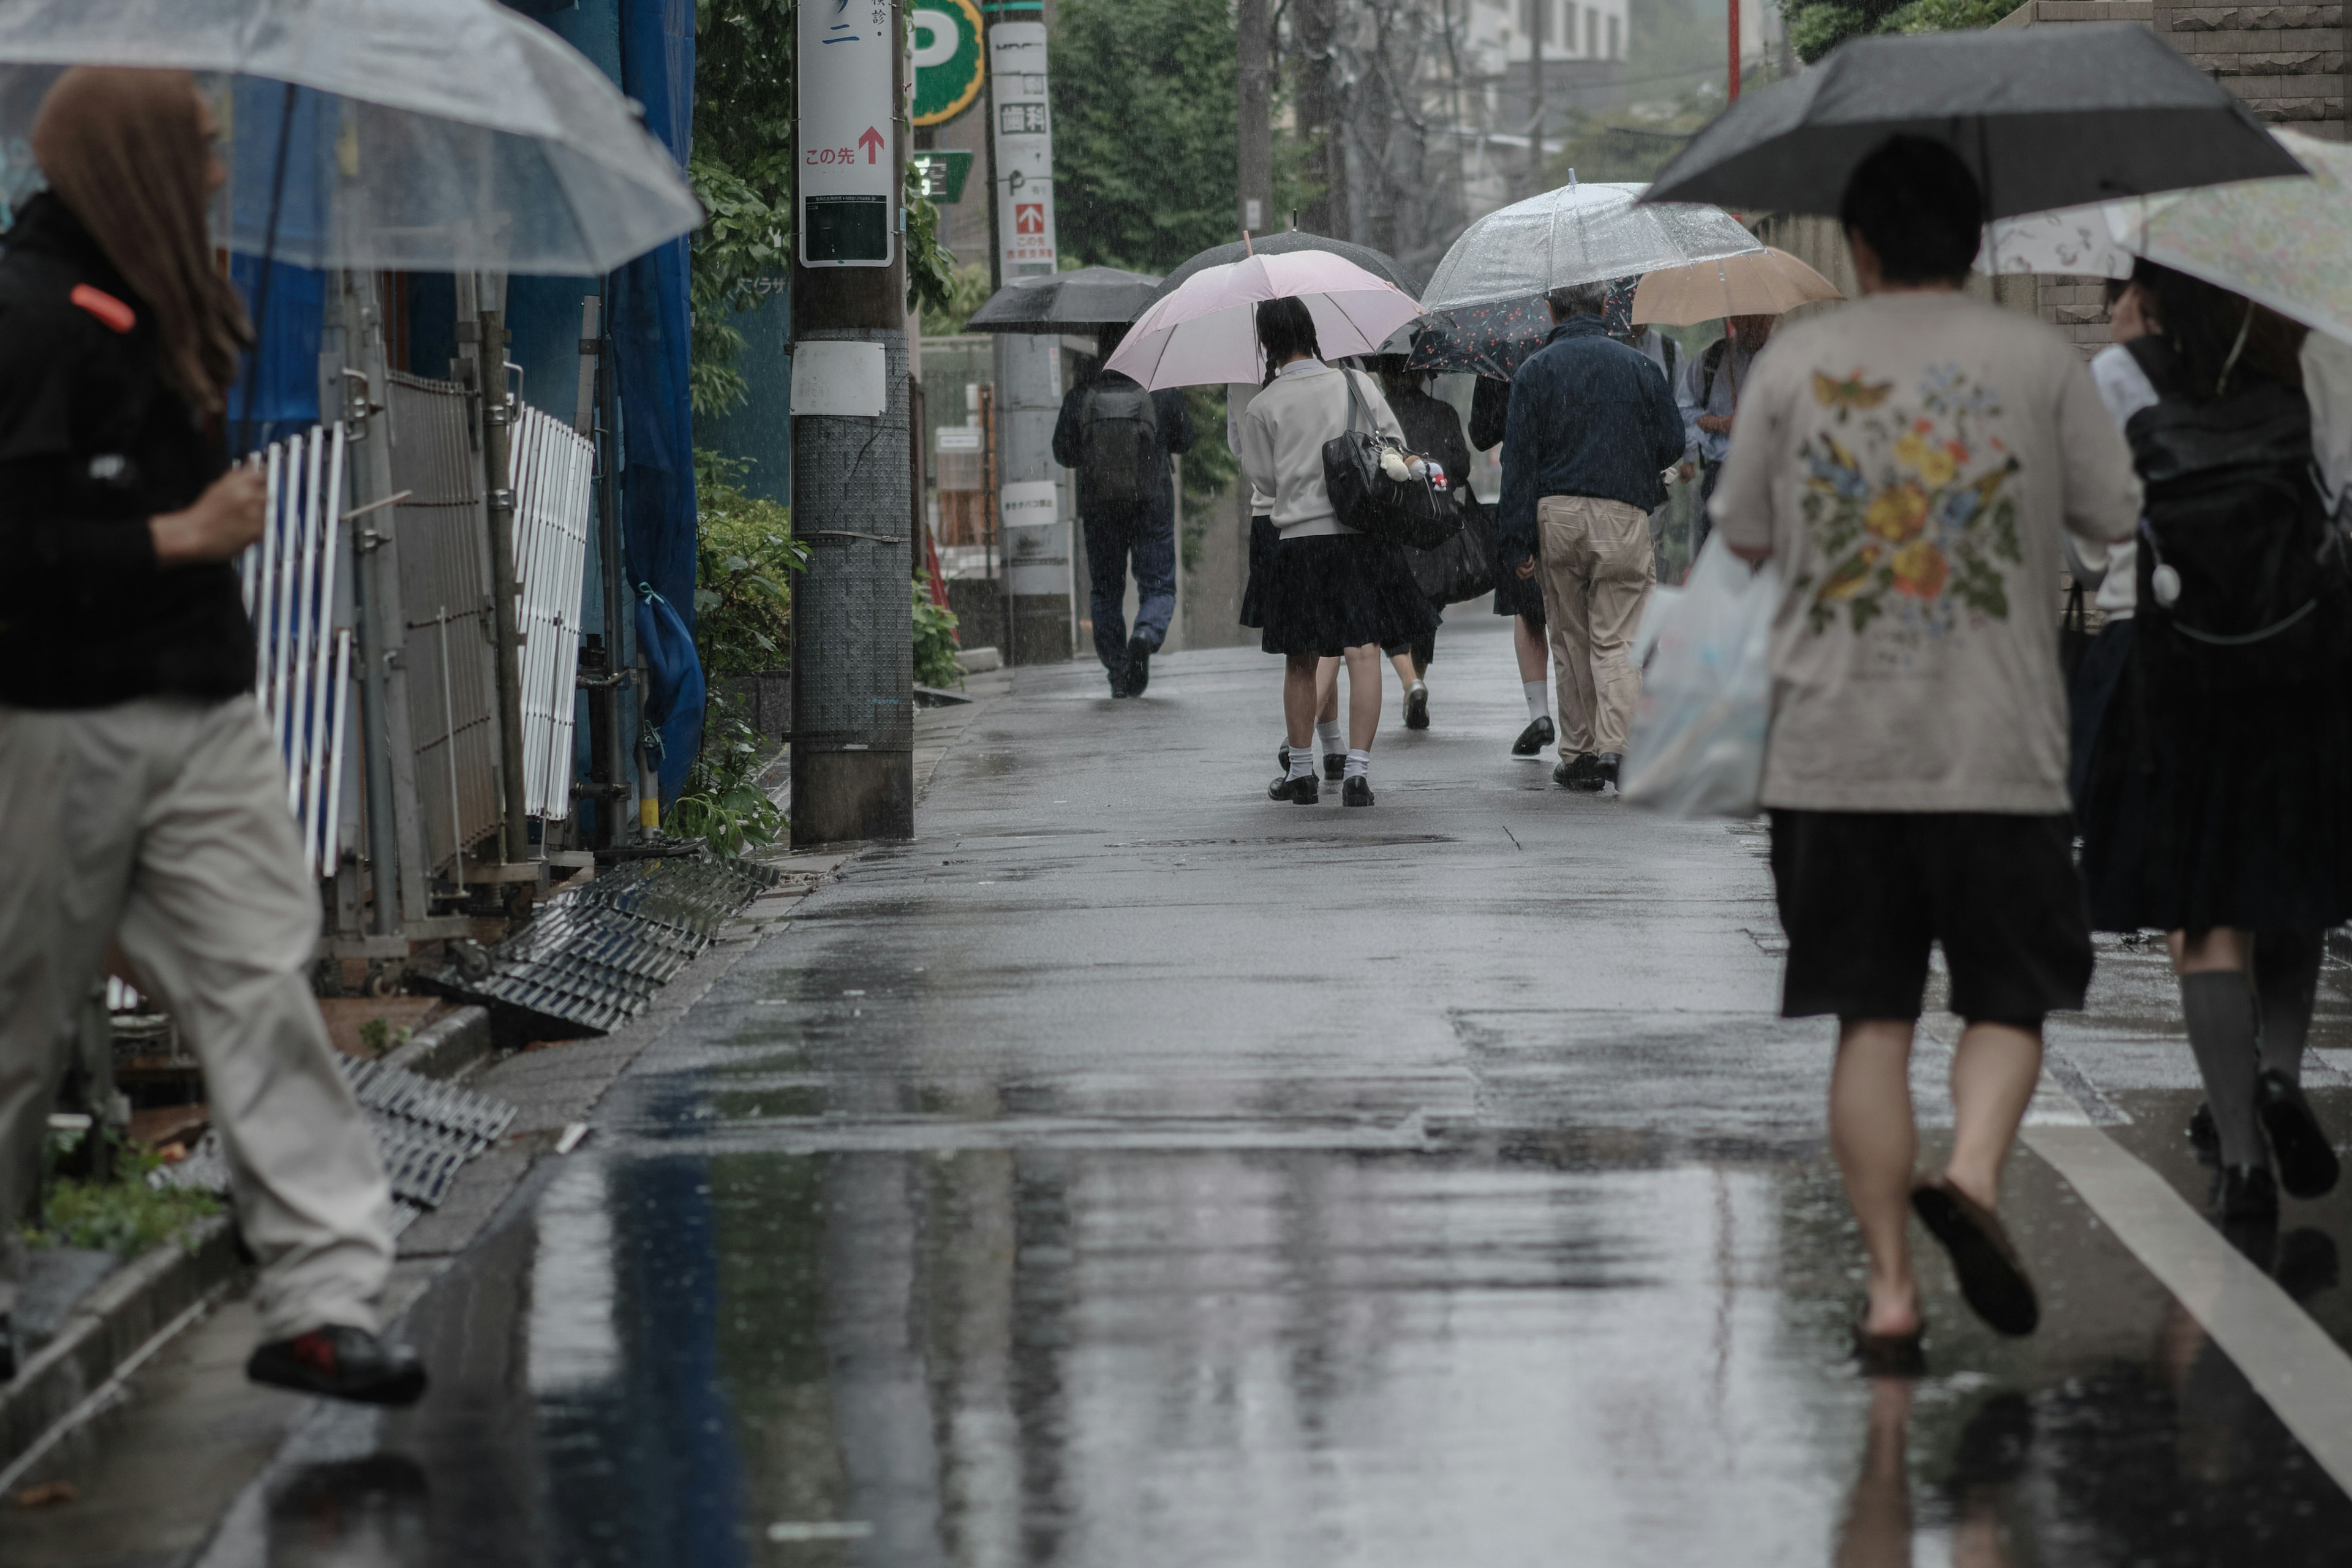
(448, 655)
(554, 509)
(302, 672)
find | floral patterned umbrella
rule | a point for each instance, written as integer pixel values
(1488, 339)
(2284, 243)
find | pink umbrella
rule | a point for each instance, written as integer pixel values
(1205, 333)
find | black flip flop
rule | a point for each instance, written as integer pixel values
(1991, 1276)
(1891, 1356)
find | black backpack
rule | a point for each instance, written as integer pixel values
(1121, 458)
(2243, 582)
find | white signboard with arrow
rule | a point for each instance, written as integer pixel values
(1024, 148)
(849, 163)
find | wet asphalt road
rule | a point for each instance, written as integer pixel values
(1132, 1172)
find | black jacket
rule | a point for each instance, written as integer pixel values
(92, 443)
(1588, 417)
(1176, 433)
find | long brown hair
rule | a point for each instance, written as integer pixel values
(125, 149)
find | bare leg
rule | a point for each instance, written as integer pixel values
(1528, 642)
(1876, 1144)
(1994, 1070)
(1326, 691)
(1363, 696)
(1406, 674)
(1300, 678)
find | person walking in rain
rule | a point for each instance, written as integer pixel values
(1907, 462)
(1432, 429)
(1330, 592)
(1709, 395)
(2212, 791)
(1662, 351)
(1591, 425)
(1119, 438)
(1521, 598)
(141, 798)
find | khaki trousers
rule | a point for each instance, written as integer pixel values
(1595, 562)
(163, 822)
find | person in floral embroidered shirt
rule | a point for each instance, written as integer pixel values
(1909, 461)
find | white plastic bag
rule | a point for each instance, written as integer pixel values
(1697, 745)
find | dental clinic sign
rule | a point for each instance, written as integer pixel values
(845, 131)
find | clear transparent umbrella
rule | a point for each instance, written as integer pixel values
(433, 135)
(1578, 234)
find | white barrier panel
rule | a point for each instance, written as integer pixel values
(302, 659)
(554, 475)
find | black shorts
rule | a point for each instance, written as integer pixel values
(1863, 896)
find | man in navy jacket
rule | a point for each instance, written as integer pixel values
(1592, 426)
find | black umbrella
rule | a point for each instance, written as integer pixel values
(1488, 339)
(2046, 117)
(1082, 300)
(1372, 261)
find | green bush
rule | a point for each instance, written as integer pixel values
(742, 591)
(722, 803)
(126, 1217)
(935, 640)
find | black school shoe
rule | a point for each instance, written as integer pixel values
(1533, 739)
(1580, 772)
(1357, 791)
(1139, 667)
(340, 1363)
(2299, 1147)
(1416, 706)
(1299, 791)
(1335, 765)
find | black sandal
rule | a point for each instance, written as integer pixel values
(1991, 1275)
(1891, 1356)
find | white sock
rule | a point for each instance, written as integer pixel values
(1359, 763)
(1334, 739)
(1538, 699)
(1302, 762)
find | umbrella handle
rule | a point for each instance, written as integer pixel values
(269, 257)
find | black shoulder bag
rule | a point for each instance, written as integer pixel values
(1373, 489)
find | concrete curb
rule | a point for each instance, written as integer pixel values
(134, 1311)
(449, 1048)
(127, 1318)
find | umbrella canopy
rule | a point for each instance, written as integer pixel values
(1377, 264)
(2071, 242)
(433, 135)
(2287, 244)
(1761, 283)
(1485, 340)
(1576, 234)
(2046, 117)
(1205, 333)
(1082, 300)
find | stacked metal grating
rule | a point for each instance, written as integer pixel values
(424, 1130)
(594, 957)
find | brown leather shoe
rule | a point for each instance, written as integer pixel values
(1990, 1274)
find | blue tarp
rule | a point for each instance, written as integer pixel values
(650, 324)
(283, 374)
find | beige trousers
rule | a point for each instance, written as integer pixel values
(163, 822)
(1595, 562)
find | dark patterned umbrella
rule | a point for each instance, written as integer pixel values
(1494, 341)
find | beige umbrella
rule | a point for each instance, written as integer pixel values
(1760, 283)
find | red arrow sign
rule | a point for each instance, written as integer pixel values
(872, 143)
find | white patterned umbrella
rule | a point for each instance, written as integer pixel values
(2284, 243)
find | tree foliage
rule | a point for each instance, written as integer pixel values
(1817, 26)
(743, 172)
(1145, 158)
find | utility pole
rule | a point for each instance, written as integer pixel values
(1038, 560)
(852, 636)
(1255, 76)
(1732, 30)
(1539, 27)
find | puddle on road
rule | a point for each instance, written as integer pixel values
(994, 1357)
